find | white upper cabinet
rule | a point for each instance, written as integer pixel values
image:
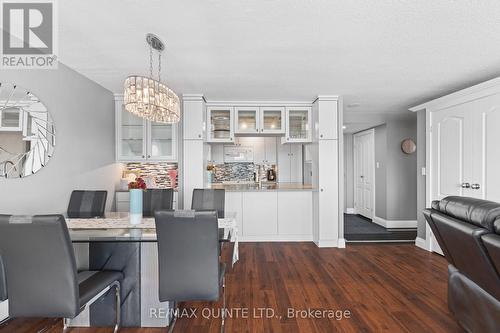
(259, 120)
(138, 139)
(246, 120)
(161, 143)
(298, 125)
(220, 124)
(272, 120)
(327, 122)
(193, 117)
(11, 119)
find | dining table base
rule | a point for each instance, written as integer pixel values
(138, 261)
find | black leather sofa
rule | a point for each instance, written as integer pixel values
(468, 231)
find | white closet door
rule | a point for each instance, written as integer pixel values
(485, 183)
(363, 172)
(451, 151)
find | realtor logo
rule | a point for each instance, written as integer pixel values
(28, 34)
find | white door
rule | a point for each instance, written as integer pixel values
(485, 182)
(451, 151)
(364, 169)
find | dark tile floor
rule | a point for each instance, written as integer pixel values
(359, 228)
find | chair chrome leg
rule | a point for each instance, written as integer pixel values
(222, 327)
(65, 325)
(118, 307)
(174, 319)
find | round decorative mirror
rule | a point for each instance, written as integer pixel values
(27, 133)
(408, 146)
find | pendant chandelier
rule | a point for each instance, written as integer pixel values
(149, 98)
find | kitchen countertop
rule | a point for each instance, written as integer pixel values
(265, 187)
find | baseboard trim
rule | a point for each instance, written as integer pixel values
(327, 243)
(421, 243)
(341, 243)
(394, 224)
(350, 211)
(276, 238)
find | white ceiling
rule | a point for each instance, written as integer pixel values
(386, 55)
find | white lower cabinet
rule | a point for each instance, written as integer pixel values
(295, 213)
(260, 216)
(272, 216)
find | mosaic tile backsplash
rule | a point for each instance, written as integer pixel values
(157, 171)
(238, 172)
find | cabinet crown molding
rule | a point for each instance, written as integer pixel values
(193, 97)
(327, 98)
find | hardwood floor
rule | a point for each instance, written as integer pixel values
(385, 287)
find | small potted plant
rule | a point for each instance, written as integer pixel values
(136, 188)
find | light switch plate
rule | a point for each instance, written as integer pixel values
(424, 172)
(378, 165)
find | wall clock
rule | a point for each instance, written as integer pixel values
(408, 146)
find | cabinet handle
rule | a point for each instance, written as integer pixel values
(475, 186)
(287, 139)
(199, 135)
(256, 129)
(465, 185)
(143, 156)
(321, 190)
(149, 156)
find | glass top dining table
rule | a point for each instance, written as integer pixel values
(116, 227)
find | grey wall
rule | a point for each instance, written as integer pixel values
(381, 171)
(421, 184)
(395, 182)
(84, 156)
(348, 172)
(401, 170)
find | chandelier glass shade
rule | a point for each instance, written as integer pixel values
(149, 98)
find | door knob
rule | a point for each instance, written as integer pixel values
(475, 186)
(361, 176)
(465, 185)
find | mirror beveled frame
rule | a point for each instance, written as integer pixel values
(27, 132)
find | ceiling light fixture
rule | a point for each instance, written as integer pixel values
(149, 98)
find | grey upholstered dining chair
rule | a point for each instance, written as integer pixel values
(87, 204)
(40, 269)
(209, 199)
(157, 199)
(188, 258)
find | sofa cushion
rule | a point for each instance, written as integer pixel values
(479, 212)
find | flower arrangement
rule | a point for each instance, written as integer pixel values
(138, 184)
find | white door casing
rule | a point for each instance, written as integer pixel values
(364, 169)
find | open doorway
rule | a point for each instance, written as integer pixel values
(380, 183)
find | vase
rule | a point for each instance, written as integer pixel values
(135, 206)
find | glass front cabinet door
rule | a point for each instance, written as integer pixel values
(138, 139)
(161, 141)
(220, 124)
(246, 120)
(272, 120)
(11, 119)
(298, 124)
(131, 144)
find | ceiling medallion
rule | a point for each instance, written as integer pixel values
(149, 98)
